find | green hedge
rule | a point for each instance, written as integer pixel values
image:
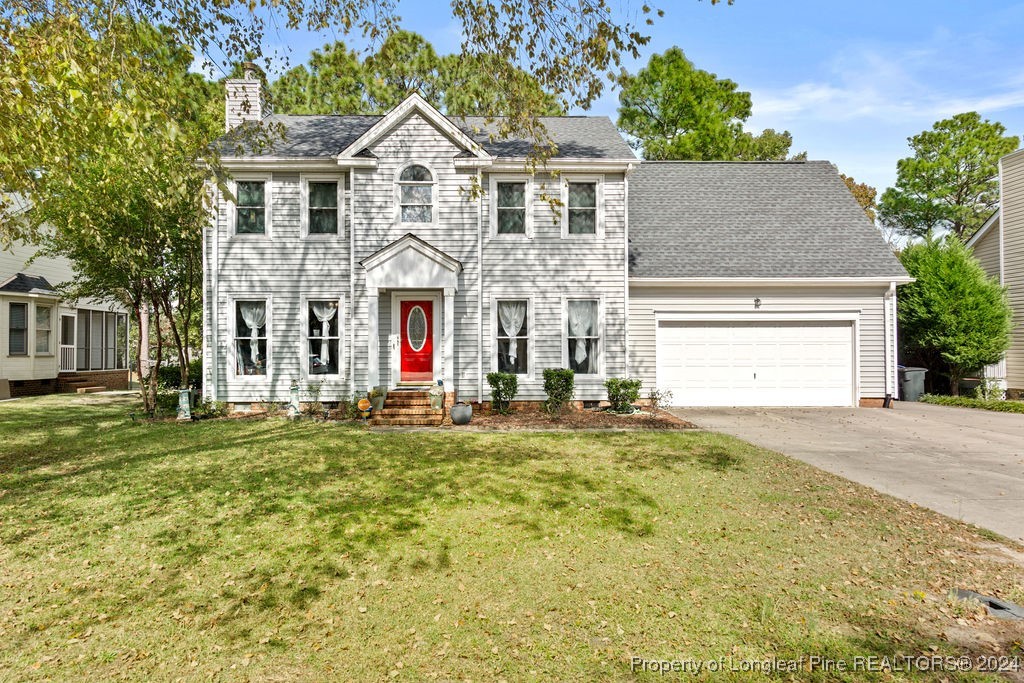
(983, 404)
(504, 387)
(622, 393)
(560, 386)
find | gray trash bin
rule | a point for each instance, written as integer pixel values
(911, 383)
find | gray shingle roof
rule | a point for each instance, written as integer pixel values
(20, 283)
(583, 137)
(750, 219)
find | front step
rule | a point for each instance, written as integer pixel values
(89, 390)
(407, 409)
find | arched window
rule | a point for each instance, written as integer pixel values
(416, 194)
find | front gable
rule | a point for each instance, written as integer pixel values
(413, 110)
(411, 263)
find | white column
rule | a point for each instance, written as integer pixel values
(448, 342)
(372, 338)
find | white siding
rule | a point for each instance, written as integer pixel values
(284, 267)
(645, 302)
(454, 232)
(56, 271)
(1012, 217)
(548, 268)
(986, 250)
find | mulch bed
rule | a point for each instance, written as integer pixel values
(578, 419)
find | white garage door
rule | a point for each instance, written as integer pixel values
(756, 363)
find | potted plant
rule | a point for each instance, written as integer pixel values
(377, 396)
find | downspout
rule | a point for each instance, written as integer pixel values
(352, 283)
(480, 288)
(215, 294)
(625, 270)
(890, 351)
(895, 341)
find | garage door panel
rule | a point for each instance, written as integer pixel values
(748, 363)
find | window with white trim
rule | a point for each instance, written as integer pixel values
(583, 335)
(510, 202)
(322, 215)
(416, 194)
(581, 207)
(512, 334)
(251, 208)
(17, 333)
(43, 327)
(323, 337)
(251, 337)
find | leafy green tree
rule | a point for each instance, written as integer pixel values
(405, 63)
(130, 217)
(673, 110)
(864, 194)
(951, 183)
(953, 315)
(334, 83)
(71, 73)
(468, 87)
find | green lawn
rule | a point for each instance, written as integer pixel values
(263, 549)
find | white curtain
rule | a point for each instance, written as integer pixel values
(324, 312)
(582, 323)
(512, 315)
(254, 315)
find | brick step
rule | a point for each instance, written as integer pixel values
(409, 411)
(407, 421)
(405, 403)
(89, 390)
(414, 393)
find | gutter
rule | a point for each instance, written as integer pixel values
(769, 281)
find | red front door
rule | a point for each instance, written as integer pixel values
(417, 356)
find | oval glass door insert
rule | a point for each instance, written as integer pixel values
(416, 328)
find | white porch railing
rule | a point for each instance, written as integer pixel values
(67, 358)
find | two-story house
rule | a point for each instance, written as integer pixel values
(395, 251)
(53, 344)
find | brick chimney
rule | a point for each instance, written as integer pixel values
(244, 98)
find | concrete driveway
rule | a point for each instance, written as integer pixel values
(967, 464)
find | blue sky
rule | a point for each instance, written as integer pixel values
(850, 81)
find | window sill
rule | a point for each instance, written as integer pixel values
(511, 236)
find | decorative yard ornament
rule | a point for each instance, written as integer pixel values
(293, 401)
(184, 404)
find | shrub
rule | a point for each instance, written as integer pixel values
(348, 409)
(169, 376)
(504, 387)
(659, 397)
(984, 404)
(952, 313)
(166, 402)
(622, 393)
(208, 409)
(560, 386)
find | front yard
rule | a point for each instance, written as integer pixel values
(263, 549)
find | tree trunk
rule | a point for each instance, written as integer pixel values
(142, 347)
(165, 301)
(954, 380)
(154, 371)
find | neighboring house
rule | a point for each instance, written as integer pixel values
(999, 247)
(358, 255)
(53, 345)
